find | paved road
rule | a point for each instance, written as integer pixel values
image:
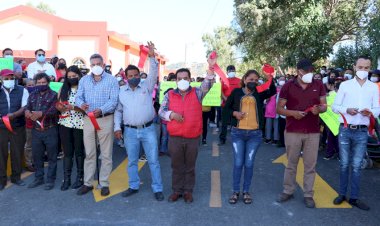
(22, 206)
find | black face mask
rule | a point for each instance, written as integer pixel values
(251, 86)
(73, 81)
(331, 80)
(133, 82)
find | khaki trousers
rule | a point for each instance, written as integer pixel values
(308, 144)
(105, 138)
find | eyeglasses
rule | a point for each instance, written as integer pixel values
(41, 54)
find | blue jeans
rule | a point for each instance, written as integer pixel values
(352, 147)
(164, 138)
(148, 138)
(245, 145)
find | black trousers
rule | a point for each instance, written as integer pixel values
(281, 128)
(226, 119)
(73, 145)
(45, 141)
(205, 118)
(17, 142)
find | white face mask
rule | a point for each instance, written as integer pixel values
(142, 79)
(9, 84)
(231, 74)
(119, 79)
(362, 74)
(183, 85)
(323, 72)
(8, 56)
(97, 70)
(374, 79)
(348, 76)
(307, 78)
(281, 83)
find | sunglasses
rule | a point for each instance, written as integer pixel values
(41, 54)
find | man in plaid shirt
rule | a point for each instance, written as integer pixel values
(41, 110)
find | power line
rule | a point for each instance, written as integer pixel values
(211, 16)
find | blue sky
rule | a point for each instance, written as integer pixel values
(171, 24)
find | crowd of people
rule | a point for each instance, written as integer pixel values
(93, 108)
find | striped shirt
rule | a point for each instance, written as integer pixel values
(101, 94)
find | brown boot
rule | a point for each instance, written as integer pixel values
(174, 197)
(283, 197)
(188, 197)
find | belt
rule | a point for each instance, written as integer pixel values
(140, 127)
(350, 126)
(43, 129)
(105, 115)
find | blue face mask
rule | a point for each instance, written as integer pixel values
(41, 59)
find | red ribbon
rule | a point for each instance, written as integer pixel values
(372, 120)
(218, 70)
(7, 123)
(225, 80)
(93, 120)
(63, 103)
(372, 123)
(143, 55)
(264, 86)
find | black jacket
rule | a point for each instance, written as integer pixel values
(233, 102)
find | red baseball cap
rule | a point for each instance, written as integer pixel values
(268, 68)
(6, 72)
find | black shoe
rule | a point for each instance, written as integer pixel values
(339, 200)
(2, 186)
(204, 142)
(19, 182)
(360, 204)
(65, 185)
(283, 197)
(78, 183)
(267, 141)
(36, 183)
(49, 186)
(328, 157)
(129, 192)
(84, 190)
(309, 202)
(221, 142)
(159, 196)
(105, 191)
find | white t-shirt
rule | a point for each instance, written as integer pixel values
(35, 68)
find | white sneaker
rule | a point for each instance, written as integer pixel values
(212, 125)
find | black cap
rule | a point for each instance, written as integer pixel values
(376, 72)
(231, 68)
(305, 65)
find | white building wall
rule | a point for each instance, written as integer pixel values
(117, 57)
(73, 47)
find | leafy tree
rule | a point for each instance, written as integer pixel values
(44, 7)
(221, 41)
(285, 31)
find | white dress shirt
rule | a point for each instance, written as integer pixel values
(24, 100)
(352, 95)
(35, 68)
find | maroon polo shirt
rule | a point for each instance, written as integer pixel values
(300, 99)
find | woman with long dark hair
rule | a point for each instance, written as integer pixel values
(71, 128)
(246, 106)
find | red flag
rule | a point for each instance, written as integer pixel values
(143, 55)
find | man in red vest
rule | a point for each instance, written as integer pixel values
(182, 108)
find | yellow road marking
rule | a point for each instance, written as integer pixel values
(215, 195)
(215, 150)
(324, 194)
(118, 181)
